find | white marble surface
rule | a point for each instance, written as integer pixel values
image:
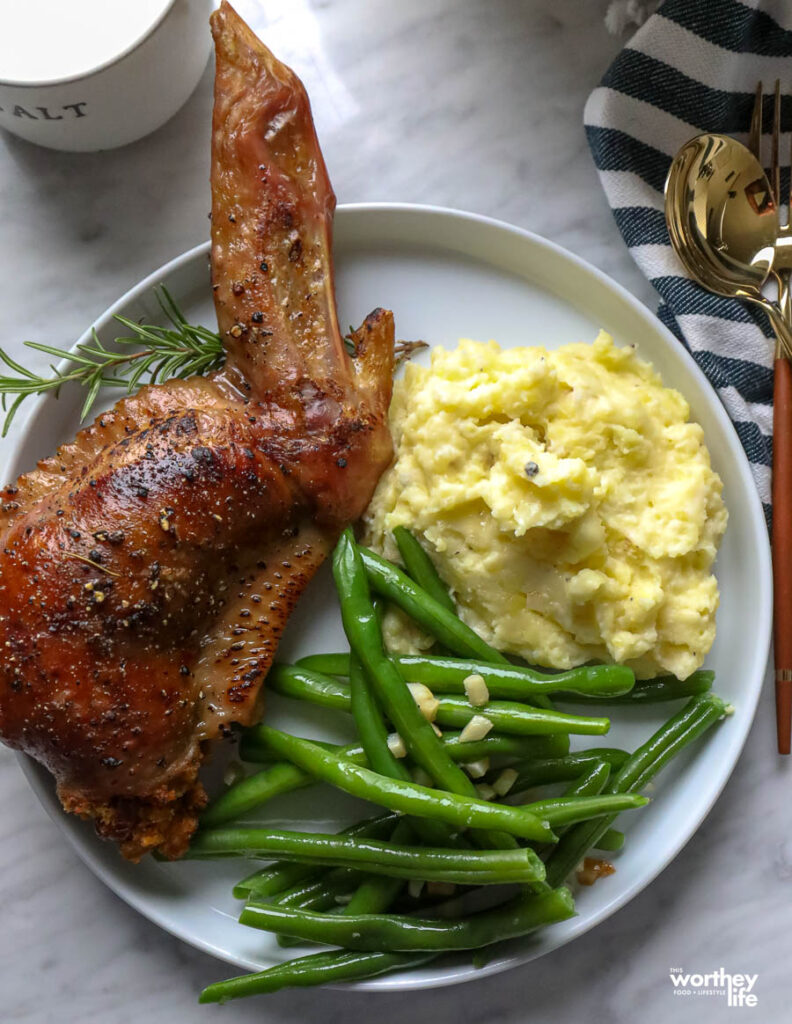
(469, 104)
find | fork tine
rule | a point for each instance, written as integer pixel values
(775, 168)
(789, 194)
(755, 133)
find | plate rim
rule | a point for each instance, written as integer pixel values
(453, 974)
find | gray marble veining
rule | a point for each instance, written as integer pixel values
(461, 103)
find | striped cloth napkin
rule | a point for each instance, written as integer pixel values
(693, 67)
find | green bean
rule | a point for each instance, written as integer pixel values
(467, 867)
(508, 682)
(251, 749)
(514, 682)
(365, 639)
(435, 618)
(252, 791)
(295, 681)
(519, 719)
(504, 745)
(376, 893)
(517, 682)
(653, 691)
(256, 789)
(590, 783)
(275, 878)
(481, 957)
(566, 810)
(555, 745)
(542, 771)
(327, 664)
(316, 969)
(373, 893)
(409, 798)
(392, 932)
(369, 669)
(680, 730)
(421, 568)
(319, 893)
(416, 732)
(374, 738)
(611, 841)
(371, 726)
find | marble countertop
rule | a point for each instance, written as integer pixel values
(466, 104)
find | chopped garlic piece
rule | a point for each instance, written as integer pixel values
(476, 690)
(476, 729)
(414, 887)
(484, 791)
(477, 769)
(420, 692)
(422, 777)
(233, 773)
(396, 745)
(425, 699)
(504, 781)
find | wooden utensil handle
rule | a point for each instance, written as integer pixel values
(782, 549)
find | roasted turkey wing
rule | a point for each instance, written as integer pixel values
(147, 570)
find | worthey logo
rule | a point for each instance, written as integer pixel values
(737, 988)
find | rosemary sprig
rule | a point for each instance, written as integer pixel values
(178, 350)
(403, 351)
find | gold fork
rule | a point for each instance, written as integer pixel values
(782, 433)
(782, 262)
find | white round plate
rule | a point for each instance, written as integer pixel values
(447, 275)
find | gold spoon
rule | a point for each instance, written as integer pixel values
(723, 222)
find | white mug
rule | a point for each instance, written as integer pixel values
(120, 99)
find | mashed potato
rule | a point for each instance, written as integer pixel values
(565, 499)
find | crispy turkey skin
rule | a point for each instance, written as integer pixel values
(147, 569)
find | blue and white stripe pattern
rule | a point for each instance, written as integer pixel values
(693, 67)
